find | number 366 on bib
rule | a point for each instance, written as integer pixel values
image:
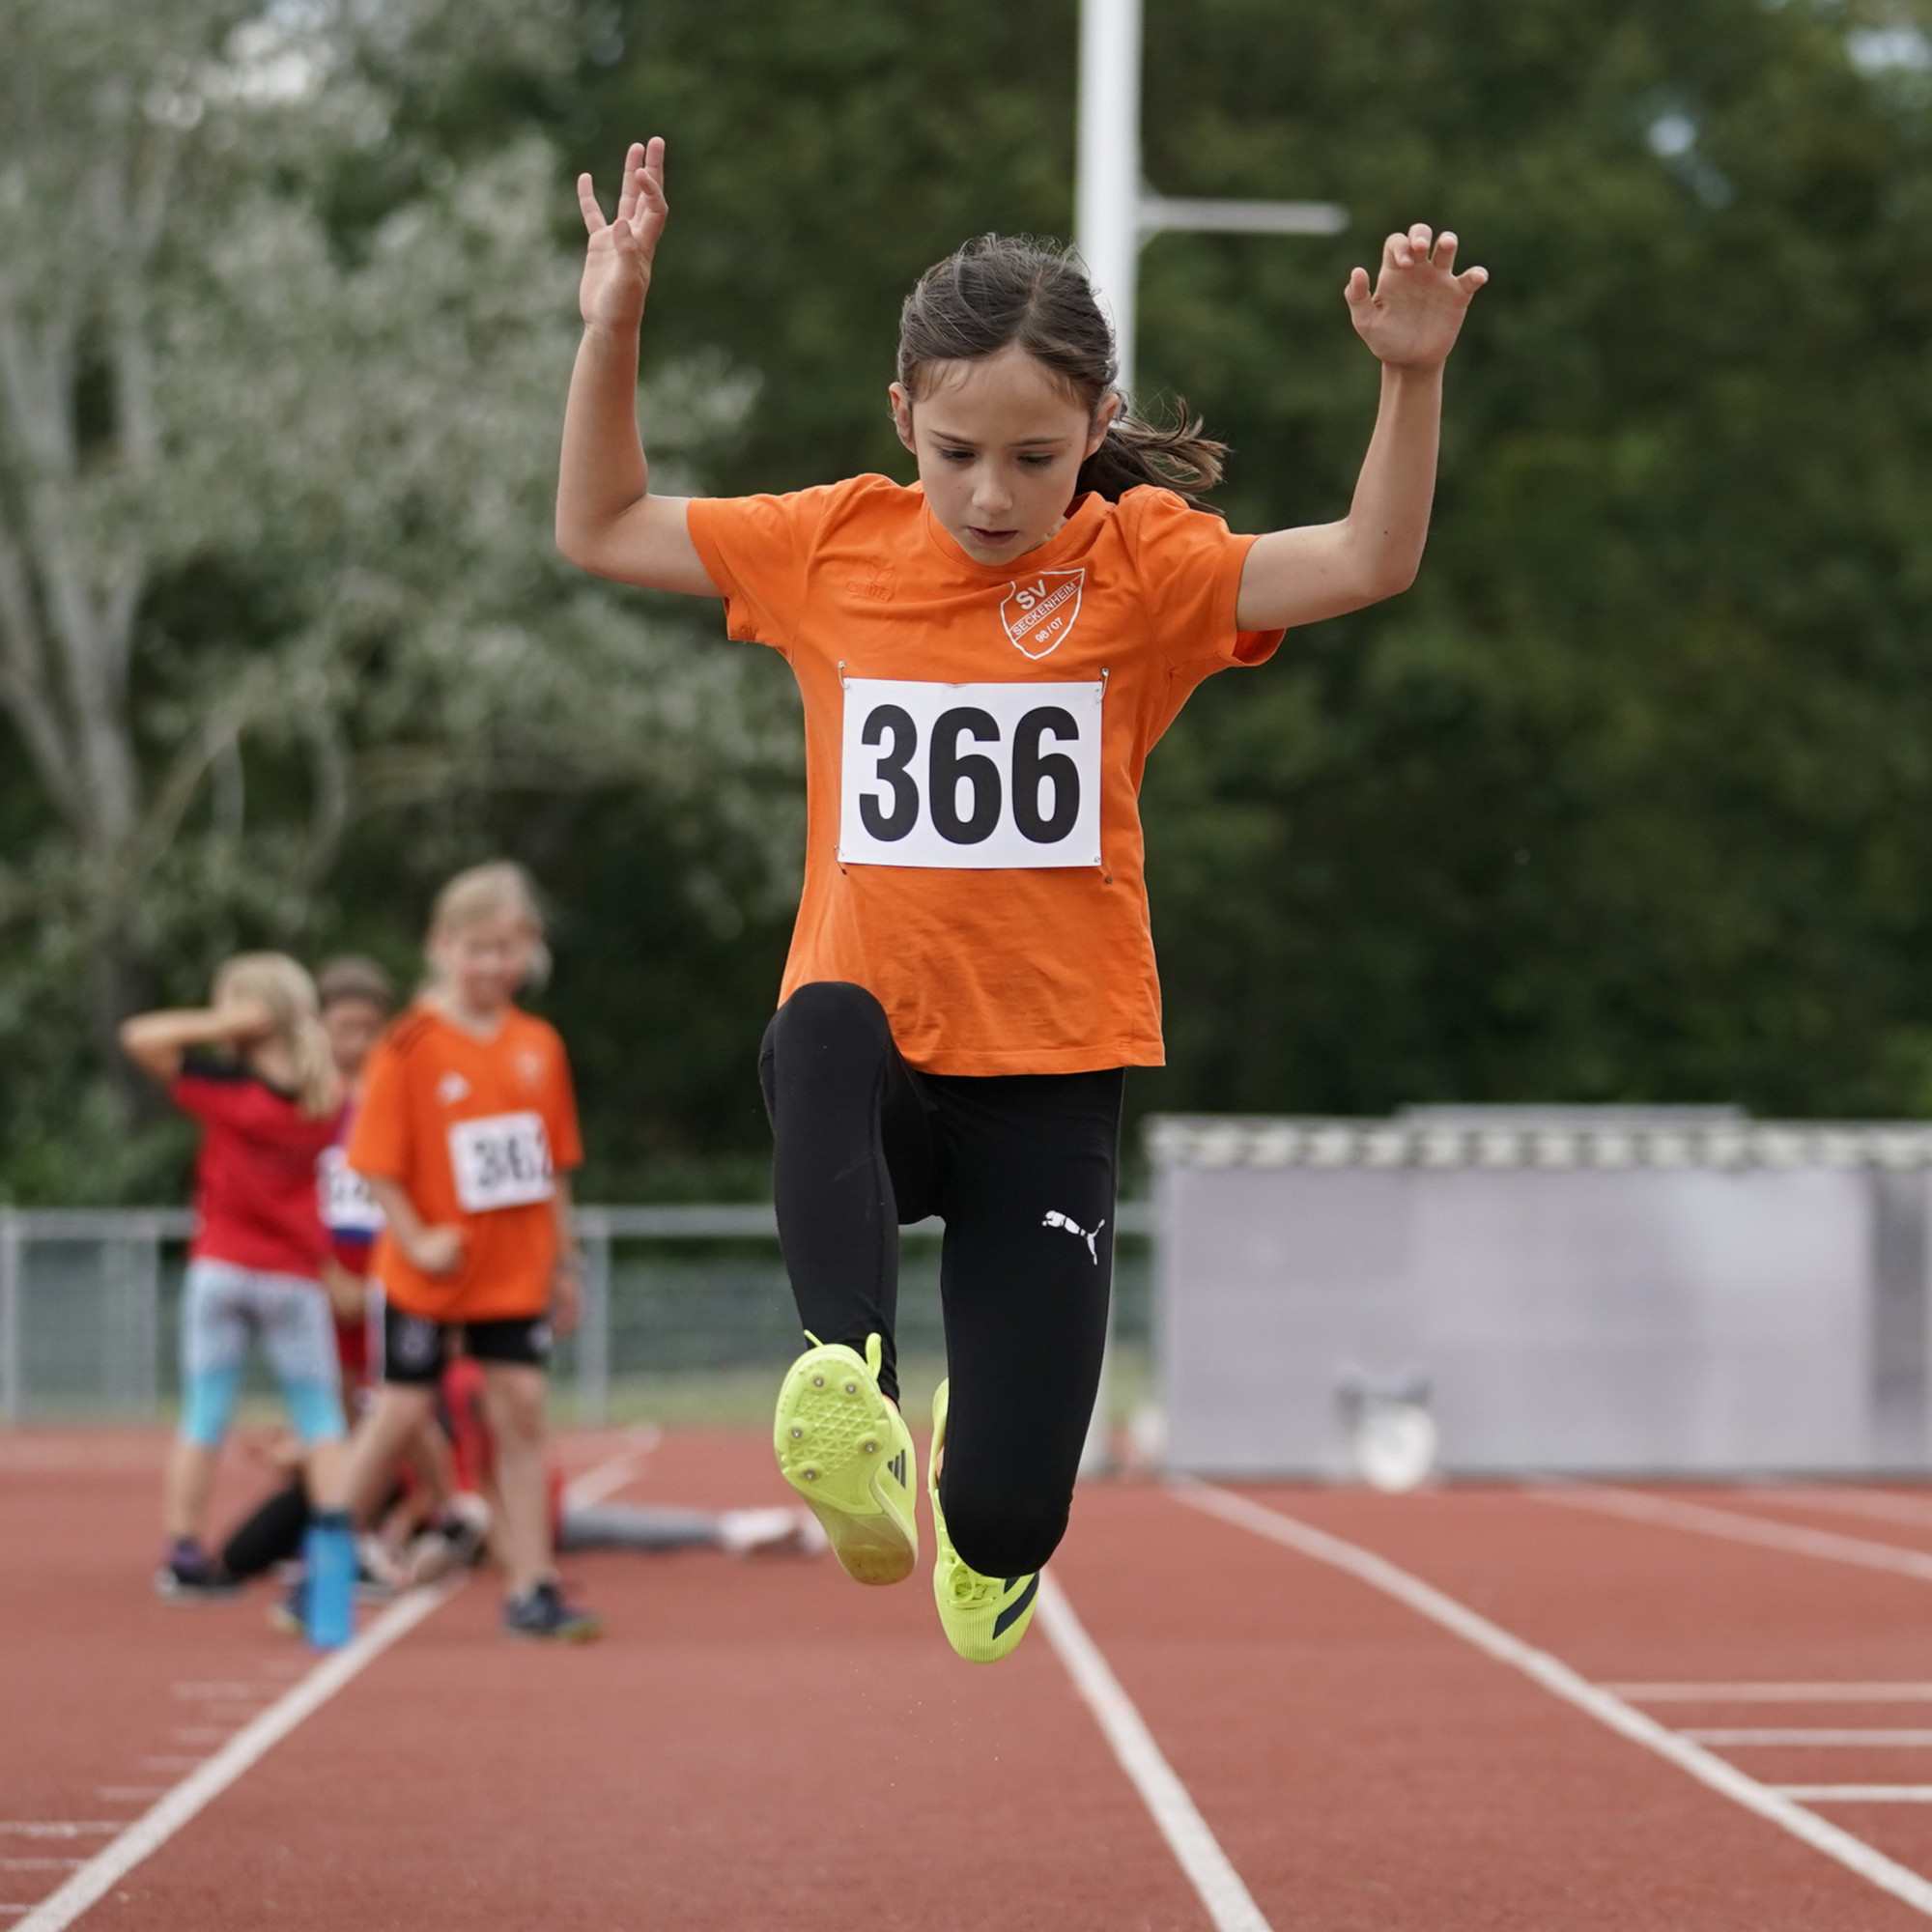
(970, 776)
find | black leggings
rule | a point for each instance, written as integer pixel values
(272, 1534)
(273, 1531)
(1022, 1168)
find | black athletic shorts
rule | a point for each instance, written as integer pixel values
(415, 1349)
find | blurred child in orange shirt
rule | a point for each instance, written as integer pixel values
(465, 1134)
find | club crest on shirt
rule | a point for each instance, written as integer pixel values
(530, 1065)
(452, 1087)
(1039, 612)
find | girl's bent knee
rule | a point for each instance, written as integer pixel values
(516, 1398)
(825, 1012)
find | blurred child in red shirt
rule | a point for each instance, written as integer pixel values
(255, 1070)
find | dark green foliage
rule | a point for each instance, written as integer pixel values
(1631, 797)
(1628, 799)
(821, 155)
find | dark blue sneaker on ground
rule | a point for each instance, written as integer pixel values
(190, 1575)
(541, 1613)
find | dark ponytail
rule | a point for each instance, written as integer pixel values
(998, 291)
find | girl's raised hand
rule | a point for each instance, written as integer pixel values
(617, 263)
(1412, 315)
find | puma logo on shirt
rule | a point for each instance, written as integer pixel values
(1090, 1235)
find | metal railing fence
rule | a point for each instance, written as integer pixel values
(85, 1309)
(685, 1310)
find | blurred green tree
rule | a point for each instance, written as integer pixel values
(276, 457)
(1628, 799)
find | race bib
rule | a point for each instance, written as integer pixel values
(978, 776)
(348, 1207)
(500, 1161)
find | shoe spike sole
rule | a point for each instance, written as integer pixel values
(834, 1434)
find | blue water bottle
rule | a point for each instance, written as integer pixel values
(328, 1593)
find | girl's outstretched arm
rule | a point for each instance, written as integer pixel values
(1411, 319)
(158, 1043)
(607, 519)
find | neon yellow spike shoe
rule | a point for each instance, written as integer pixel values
(983, 1617)
(847, 1450)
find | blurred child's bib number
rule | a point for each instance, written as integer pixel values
(348, 1207)
(501, 1162)
(978, 776)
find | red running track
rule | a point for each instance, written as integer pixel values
(765, 1744)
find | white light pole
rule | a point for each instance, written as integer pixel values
(1114, 213)
(1107, 179)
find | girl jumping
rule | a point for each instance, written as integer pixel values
(985, 657)
(255, 1070)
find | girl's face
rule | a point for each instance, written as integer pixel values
(1000, 445)
(352, 1027)
(484, 961)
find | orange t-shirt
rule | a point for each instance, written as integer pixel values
(474, 1131)
(974, 741)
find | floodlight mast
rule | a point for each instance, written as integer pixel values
(1107, 197)
(1114, 213)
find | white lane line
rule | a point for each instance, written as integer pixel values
(1804, 1739)
(1557, 1678)
(1229, 1905)
(1877, 1505)
(257, 1738)
(41, 1864)
(1704, 1521)
(1856, 1794)
(1773, 1694)
(615, 1472)
(59, 1828)
(244, 1749)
